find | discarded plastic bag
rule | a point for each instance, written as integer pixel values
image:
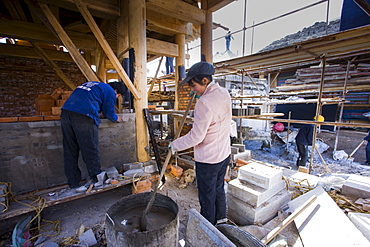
(21, 233)
(339, 155)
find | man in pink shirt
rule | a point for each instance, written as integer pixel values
(210, 137)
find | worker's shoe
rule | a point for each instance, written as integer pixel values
(90, 181)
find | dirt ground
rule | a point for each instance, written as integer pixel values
(89, 212)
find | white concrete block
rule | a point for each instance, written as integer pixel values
(243, 213)
(362, 222)
(323, 223)
(200, 232)
(241, 147)
(357, 186)
(261, 175)
(242, 155)
(134, 172)
(252, 194)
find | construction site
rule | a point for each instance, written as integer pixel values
(146, 191)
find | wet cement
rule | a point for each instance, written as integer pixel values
(129, 220)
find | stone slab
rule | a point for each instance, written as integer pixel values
(362, 222)
(252, 194)
(200, 232)
(129, 166)
(357, 186)
(134, 172)
(243, 213)
(323, 223)
(241, 147)
(112, 172)
(261, 175)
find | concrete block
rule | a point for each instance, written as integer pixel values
(112, 172)
(243, 213)
(130, 166)
(200, 231)
(240, 146)
(252, 194)
(242, 155)
(357, 186)
(323, 218)
(88, 238)
(134, 172)
(261, 175)
(151, 168)
(362, 222)
(234, 150)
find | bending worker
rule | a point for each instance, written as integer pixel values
(80, 121)
(210, 137)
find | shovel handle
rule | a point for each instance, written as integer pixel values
(354, 151)
(147, 209)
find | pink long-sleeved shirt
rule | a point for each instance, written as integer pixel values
(210, 135)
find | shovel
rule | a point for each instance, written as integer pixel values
(144, 219)
(349, 160)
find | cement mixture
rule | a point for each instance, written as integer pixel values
(89, 212)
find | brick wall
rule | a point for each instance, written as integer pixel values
(23, 79)
(184, 97)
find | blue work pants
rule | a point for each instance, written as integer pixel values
(80, 133)
(211, 192)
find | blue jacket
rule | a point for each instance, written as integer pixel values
(91, 98)
(305, 134)
(367, 138)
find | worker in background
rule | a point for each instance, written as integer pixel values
(169, 65)
(303, 140)
(228, 38)
(80, 121)
(367, 138)
(210, 137)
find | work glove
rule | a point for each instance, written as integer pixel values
(196, 96)
(171, 148)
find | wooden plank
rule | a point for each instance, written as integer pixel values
(58, 196)
(72, 49)
(106, 47)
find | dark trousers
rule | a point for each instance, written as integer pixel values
(80, 133)
(368, 152)
(303, 154)
(211, 193)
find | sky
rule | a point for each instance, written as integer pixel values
(257, 11)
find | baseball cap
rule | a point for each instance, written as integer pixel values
(201, 68)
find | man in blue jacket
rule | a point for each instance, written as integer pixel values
(80, 121)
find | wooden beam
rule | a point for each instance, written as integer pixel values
(29, 52)
(165, 24)
(106, 9)
(56, 69)
(178, 9)
(72, 49)
(162, 48)
(214, 5)
(105, 46)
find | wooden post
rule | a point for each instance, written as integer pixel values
(179, 65)
(206, 35)
(318, 110)
(137, 34)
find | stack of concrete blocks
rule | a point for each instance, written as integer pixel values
(238, 151)
(257, 194)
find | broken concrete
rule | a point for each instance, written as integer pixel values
(357, 186)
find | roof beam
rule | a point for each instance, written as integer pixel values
(178, 9)
(165, 24)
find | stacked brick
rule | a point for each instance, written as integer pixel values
(51, 104)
